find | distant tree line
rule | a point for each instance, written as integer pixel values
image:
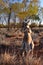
(21, 9)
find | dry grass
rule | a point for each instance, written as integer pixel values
(17, 59)
(7, 59)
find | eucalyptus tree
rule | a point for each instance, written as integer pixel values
(12, 7)
(30, 10)
(21, 9)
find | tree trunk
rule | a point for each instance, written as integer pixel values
(9, 19)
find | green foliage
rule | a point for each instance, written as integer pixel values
(18, 25)
(31, 10)
(2, 4)
(1, 11)
(22, 15)
(19, 10)
(35, 17)
(33, 7)
(33, 25)
(1, 25)
(17, 7)
(6, 10)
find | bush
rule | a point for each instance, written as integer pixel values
(19, 25)
(1, 25)
(10, 26)
(33, 25)
(40, 25)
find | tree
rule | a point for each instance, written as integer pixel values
(18, 8)
(31, 10)
(15, 7)
(33, 7)
(22, 10)
(25, 4)
(2, 5)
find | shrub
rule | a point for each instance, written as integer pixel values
(1, 25)
(33, 25)
(19, 25)
(40, 25)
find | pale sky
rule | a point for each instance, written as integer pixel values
(41, 1)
